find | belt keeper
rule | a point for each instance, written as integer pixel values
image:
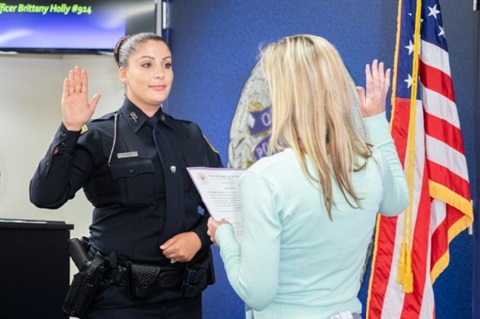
(120, 276)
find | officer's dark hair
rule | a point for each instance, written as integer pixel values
(128, 44)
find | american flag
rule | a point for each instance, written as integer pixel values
(411, 250)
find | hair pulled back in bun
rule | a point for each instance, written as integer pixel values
(128, 44)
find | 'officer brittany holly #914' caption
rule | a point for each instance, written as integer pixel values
(44, 9)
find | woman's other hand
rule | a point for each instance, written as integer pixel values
(76, 109)
(372, 102)
(212, 228)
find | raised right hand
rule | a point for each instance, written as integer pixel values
(372, 100)
(76, 109)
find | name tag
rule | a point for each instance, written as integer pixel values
(127, 154)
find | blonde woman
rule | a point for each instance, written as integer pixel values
(310, 209)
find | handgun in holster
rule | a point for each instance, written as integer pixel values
(87, 281)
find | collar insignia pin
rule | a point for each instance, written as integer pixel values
(134, 116)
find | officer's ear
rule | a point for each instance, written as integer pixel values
(122, 74)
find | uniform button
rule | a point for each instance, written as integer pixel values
(47, 163)
(131, 170)
(64, 134)
(64, 144)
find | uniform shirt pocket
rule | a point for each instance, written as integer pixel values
(134, 177)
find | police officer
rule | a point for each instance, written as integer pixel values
(131, 165)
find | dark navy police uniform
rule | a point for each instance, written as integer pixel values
(133, 170)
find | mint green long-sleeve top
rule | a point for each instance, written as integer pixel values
(294, 262)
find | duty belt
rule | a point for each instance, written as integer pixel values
(145, 275)
(190, 278)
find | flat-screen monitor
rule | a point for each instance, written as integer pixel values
(72, 26)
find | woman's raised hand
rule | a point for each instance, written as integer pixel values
(76, 109)
(372, 102)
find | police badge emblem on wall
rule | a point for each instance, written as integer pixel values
(251, 123)
(250, 129)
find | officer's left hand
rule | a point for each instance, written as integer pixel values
(181, 247)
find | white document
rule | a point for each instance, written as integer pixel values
(220, 192)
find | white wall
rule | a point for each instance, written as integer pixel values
(30, 93)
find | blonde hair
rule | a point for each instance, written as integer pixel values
(312, 96)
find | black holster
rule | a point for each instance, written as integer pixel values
(199, 273)
(86, 282)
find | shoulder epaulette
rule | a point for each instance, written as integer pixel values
(104, 117)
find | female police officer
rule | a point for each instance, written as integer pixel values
(131, 165)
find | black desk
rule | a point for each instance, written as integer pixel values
(34, 268)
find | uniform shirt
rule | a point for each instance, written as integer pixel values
(120, 168)
(294, 262)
